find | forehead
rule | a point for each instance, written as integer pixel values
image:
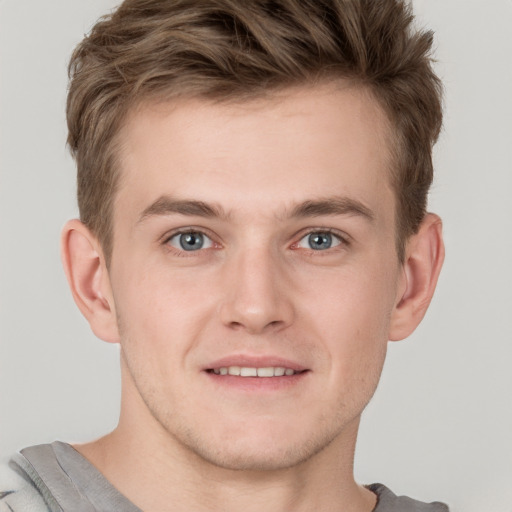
(266, 153)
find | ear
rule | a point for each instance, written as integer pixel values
(88, 278)
(423, 261)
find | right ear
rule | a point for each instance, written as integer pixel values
(88, 278)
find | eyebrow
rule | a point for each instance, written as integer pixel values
(166, 205)
(337, 205)
(332, 206)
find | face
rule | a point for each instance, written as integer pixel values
(254, 272)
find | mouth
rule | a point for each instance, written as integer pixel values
(261, 372)
(256, 373)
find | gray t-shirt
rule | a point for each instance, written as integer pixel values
(56, 478)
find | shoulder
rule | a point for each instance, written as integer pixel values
(17, 492)
(387, 501)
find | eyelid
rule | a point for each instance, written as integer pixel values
(165, 239)
(207, 241)
(344, 238)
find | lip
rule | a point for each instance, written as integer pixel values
(256, 384)
(255, 362)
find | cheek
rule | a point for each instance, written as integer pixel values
(351, 312)
(356, 300)
(158, 307)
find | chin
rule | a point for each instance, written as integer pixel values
(276, 459)
(273, 451)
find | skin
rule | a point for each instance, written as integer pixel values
(257, 294)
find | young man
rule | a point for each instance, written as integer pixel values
(252, 182)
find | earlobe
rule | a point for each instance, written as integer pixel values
(423, 261)
(88, 279)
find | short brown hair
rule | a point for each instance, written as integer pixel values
(237, 49)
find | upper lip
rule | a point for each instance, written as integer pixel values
(248, 361)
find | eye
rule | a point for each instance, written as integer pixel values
(190, 241)
(319, 241)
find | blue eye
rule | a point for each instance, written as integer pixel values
(319, 241)
(191, 241)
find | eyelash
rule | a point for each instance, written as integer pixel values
(343, 239)
(189, 230)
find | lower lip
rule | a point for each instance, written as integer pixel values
(257, 383)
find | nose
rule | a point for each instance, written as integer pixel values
(257, 295)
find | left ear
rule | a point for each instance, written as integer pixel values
(424, 256)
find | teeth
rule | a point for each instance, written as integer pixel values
(248, 372)
(244, 371)
(265, 372)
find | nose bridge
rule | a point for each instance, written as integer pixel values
(256, 297)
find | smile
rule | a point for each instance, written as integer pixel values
(245, 371)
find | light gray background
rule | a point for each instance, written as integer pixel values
(440, 425)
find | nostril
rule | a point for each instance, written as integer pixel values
(237, 326)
